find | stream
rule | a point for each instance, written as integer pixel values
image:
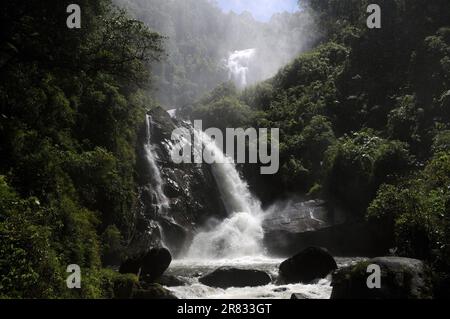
(189, 270)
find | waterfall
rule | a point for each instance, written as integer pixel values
(161, 201)
(241, 234)
(238, 66)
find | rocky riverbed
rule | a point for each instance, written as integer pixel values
(190, 271)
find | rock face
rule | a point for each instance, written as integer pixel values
(401, 278)
(191, 190)
(227, 277)
(299, 224)
(310, 264)
(346, 239)
(150, 265)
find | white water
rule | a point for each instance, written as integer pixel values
(238, 66)
(241, 233)
(161, 201)
(191, 270)
(172, 113)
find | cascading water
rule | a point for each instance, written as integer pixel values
(238, 66)
(241, 234)
(161, 201)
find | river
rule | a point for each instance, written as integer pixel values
(190, 270)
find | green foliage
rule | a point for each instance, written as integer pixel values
(112, 246)
(419, 211)
(222, 108)
(70, 105)
(357, 165)
(441, 142)
(403, 122)
(29, 266)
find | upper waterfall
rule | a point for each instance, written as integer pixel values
(238, 64)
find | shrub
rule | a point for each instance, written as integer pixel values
(357, 165)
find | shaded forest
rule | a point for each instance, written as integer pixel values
(71, 102)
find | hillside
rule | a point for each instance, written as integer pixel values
(364, 120)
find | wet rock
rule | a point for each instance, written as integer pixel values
(310, 264)
(176, 236)
(155, 263)
(401, 278)
(347, 239)
(170, 281)
(227, 277)
(150, 266)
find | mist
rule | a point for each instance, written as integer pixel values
(207, 46)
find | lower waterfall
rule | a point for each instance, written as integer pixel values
(240, 234)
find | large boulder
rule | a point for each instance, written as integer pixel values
(227, 277)
(150, 266)
(155, 263)
(401, 278)
(310, 264)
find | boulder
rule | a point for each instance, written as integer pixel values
(150, 265)
(155, 263)
(401, 278)
(170, 281)
(310, 264)
(227, 277)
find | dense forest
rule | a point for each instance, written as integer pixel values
(71, 101)
(364, 117)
